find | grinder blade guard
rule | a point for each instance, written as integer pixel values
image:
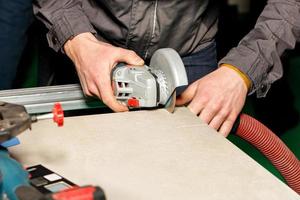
(169, 69)
(143, 86)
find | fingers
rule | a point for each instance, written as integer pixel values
(227, 126)
(217, 121)
(187, 95)
(105, 87)
(218, 117)
(84, 85)
(211, 114)
(108, 98)
(103, 90)
(219, 98)
(112, 103)
(129, 57)
(93, 61)
(93, 90)
(195, 107)
(214, 114)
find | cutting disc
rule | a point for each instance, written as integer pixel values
(167, 66)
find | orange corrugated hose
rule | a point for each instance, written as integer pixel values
(272, 147)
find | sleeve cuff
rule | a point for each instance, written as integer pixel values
(251, 65)
(245, 78)
(67, 25)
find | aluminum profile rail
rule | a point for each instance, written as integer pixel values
(41, 99)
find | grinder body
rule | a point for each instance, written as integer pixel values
(150, 86)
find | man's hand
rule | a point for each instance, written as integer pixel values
(217, 98)
(94, 61)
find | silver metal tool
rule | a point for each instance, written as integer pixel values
(14, 119)
(153, 85)
(39, 100)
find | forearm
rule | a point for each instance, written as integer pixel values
(64, 19)
(258, 54)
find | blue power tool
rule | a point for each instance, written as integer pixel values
(13, 175)
(14, 119)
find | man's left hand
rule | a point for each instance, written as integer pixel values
(217, 98)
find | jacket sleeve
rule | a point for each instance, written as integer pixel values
(63, 18)
(258, 53)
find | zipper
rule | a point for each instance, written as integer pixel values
(153, 26)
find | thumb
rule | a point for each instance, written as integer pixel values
(187, 95)
(129, 57)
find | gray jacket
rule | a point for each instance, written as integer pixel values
(142, 26)
(185, 25)
(258, 54)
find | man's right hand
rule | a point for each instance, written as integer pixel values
(94, 61)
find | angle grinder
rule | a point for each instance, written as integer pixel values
(150, 86)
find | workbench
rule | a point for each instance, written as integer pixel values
(147, 155)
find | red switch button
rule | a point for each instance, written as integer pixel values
(134, 103)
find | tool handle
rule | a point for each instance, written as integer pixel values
(78, 193)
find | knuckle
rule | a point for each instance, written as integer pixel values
(214, 107)
(206, 121)
(204, 93)
(118, 50)
(93, 91)
(192, 109)
(231, 119)
(124, 51)
(107, 101)
(222, 114)
(104, 100)
(225, 132)
(87, 92)
(201, 100)
(130, 52)
(205, 97)
(235, 113)
(115, 52)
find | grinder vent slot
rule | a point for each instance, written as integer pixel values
(123, 84)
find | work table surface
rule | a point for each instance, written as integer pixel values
(147, 155)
